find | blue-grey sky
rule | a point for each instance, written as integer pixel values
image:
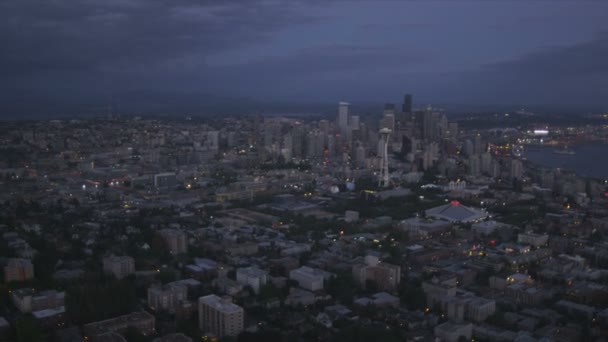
(77, 55)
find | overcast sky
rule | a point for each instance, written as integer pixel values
(77, 55)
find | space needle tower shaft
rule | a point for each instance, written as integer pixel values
(384, 178)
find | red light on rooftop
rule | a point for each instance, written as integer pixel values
(492, 242)
(455, 202)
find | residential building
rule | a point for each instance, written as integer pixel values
(142, 321)
(220, 316)
(252, 276)
(18, 270)
(311, 279)
(384, 275)
(175, 240)
(167, 297)
(119, 266)
(453, 331)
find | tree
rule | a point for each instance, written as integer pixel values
(342, 287)
(97, 299)
(371, 286)
(413, 296)
(262, 336)
(269, 291)
(358, 333)
(132, 335)
(28, 330)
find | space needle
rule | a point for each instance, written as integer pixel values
(384, 178)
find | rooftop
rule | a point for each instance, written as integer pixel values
(456, 212)
(220, 304)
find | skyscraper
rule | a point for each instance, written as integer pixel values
(406, 145)
(388, 117)
(516, 169)
(343, 113)
(428, 125)
(407, 103)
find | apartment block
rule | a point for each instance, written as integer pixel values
(167, 297)
(219, 316)
(18, 270)
(252, 276)
(119, 266)
(384, 275)
(176, 240)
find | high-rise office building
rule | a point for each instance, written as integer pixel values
(428, 125)
(516, 169)
(343, 113)
(354, 122)
(220, 316)
(388, 117)
(478, 145)
(474, 165)
(468, 148)
(407, 145)
(453, 130)
(360, 156)
(407, 103)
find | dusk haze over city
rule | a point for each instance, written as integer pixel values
(303, 170)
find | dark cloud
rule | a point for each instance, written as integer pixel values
(567, 75)
(580, 60)
(58, 35)
(80, 51)
(336, 58)
(69, 55)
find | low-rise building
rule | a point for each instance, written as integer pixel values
(533, 239)
(300, 297)
(379, 300)
(141, 321)
(26, 300)
(452, 331)
(311, 279)
(179, 337)
(228, 286)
